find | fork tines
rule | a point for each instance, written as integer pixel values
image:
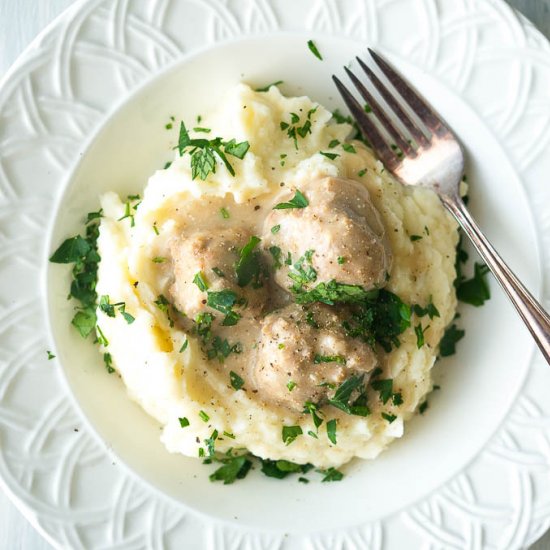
(401, 145)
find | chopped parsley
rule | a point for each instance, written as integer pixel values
(159, 259)
(311, 321)
(331, 430)
(298, 201)
(334, 143)
(211, 443)
(330, 156)
(203, 416)
(290, 433)
(385, 388)
(108, 361)
(275, 252)
(236, 381)
(291, 385)
(109, 309)
(266, 88)
(397, 399)
(452, 335)
(341, 260)
(249, 266)
(184, 345)
(50, 355)
(332, 474)
(348, 148)
(419, 331)
(475, 291)
(362, 172)
(184, 422)
(340, 359)
(293, 130)
(225, 213)
(430, 310)
(200, 129)
(389, 417)
(423, 407)
(218, 272)
(312, 409)
(129, 209)
(342, 396)
(275, 229)
(204, 151)
(200, 280)
(163, 304)
(101, 338)
(330, 293)
(233, 468)
(82, 252)
(313, 49)
(415, 238)
(223, 301)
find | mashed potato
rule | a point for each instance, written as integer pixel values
(159, 355)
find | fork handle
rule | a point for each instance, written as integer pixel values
(532, 313)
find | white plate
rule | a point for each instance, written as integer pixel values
(472, 472)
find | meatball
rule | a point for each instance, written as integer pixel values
(339, 234)
(213, 255)
(304, 354)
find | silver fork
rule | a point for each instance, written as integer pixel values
(433, 159)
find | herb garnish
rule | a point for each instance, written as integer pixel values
(266, 88)
(236, 467)
(223, 301)
(415, 238)
(291, 385)
(225, 213)
(389, 417)
(218, 272)
(348, 148)
(129, 207)
(298, 201)
(50, 355)
(290, 433)
(108, 360)
(313, 49)
(311, 408)
(82, 252)
(385, 388)
(203, 416)
(184, 422)
(236, 381)
(275, 229)
(331, 430)
(200, 280)
(475, 291)
(430, 310)
(109, 309)
(184, 345)
(203, 153)
(275, 252)
(330, 156)
(340, 359)
(343, 394)
(423, 407)
(163, 304)
(419, 331)
(452, 335)
(332, 474)
(249, 265)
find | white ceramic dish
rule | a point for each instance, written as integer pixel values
(469, 473)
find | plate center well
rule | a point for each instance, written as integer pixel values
(478, 385)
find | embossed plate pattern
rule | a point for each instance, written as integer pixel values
(55, 471)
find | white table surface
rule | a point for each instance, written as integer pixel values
(20, 22)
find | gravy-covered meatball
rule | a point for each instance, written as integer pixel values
(207, 261)
(303, 354)
(339, 234)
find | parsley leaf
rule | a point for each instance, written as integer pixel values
(238, 150)
(475, 291)
(298, 201)
(275, 252)
(311, 408)
(344, 391)
(340, 359)
(389, 417)
(332, 474)
(236, 381)
(266, 88)
(331, 430)
(71, 250)
(233, 468)
(313, 49)
(184, 422)
(452, 335)
(84, 321)
(202, 163)
(330, 156)
(249, 267)
(290, 433)
(200, 280)
(385, 388)
(419, 331)
(275, 229)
